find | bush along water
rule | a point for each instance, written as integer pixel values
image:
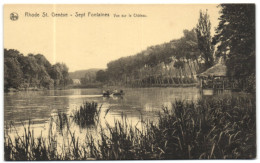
(217, 128)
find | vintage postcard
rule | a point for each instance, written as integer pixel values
(129, 82)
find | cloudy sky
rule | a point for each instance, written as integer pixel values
(91, 42)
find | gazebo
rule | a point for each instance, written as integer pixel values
(215, 77)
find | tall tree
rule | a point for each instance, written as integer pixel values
(235, 37)
(204, 38)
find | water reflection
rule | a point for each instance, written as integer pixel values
(43, 107)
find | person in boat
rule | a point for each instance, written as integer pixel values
(121, 91)
(115, 91)
(106, 92)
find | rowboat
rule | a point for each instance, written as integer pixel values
(107, 94)
(118, 94)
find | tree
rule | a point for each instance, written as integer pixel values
(60, 74)
(101, 76)
(12, 69)
(13, 73)
(187, 49)
(204, 38)
(235, 37)
(31, 70)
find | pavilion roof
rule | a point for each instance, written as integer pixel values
(219, 69)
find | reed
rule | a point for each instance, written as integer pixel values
(217, 128)
(62, 120)
(87, 114)
(27, 147)
(209, 129)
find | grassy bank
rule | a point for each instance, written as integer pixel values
(218, 128)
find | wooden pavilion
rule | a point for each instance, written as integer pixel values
(216, 78)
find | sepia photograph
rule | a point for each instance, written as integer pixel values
(129, 81)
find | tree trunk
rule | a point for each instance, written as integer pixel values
(190, 69)
(180, 73)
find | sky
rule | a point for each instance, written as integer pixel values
(91, 41)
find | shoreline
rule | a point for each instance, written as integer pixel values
(104, 85)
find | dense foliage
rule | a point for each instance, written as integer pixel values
(101, 76)
(32, 71)
(175, 62)
(236, 40)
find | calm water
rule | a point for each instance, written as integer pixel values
(39, 107)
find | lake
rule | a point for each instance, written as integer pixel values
(41, 106)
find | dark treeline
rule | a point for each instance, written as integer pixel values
(174, 62)
(32, 71)
(235, 37)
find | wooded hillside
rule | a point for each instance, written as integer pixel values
(174, 62)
